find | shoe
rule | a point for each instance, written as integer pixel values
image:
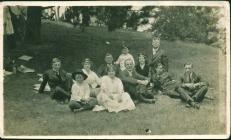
(72, 110)
(78, 110)
(136, 102)
(194, 98)
(197, 106)
(188, 106)
(153, 100)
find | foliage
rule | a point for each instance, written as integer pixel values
(186, 23)
(114, 17)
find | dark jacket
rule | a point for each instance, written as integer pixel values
(103, 69)
(190, 78)
(62, 80)
(159, 57)
(125, 77)
(144, 71)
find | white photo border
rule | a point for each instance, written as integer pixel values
(224, 4)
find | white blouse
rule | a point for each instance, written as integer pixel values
(80, 91)
(93, 80)
(111, 86)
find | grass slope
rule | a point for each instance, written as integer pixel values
(28, 113)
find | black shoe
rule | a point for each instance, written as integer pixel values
(194, 98)
(136, 102)
(197, 106)
(188, 106)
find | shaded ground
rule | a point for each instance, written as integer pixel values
(28, 113)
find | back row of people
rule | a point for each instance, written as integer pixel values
(138, 82)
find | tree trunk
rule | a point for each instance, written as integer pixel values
(33, 25)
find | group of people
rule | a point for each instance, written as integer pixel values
(120, 85)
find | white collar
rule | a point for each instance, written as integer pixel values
(155, 50)
(86, 72)
(142, 65)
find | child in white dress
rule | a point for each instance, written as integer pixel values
(124, 56)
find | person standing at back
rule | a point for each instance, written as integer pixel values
(157, 56)
(124, 56)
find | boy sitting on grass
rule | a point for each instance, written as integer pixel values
(192, 90)
(80, 97)
(59, 82)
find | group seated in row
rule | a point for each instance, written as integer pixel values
(119, 85)
(85, 90)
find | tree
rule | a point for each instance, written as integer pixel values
(116, 16)
(186, 23)
(33, 24)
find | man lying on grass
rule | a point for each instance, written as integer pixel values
(192, 90)
(59, 82)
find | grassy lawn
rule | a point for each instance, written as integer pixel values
(28, 113)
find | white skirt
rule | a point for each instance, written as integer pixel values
(116, 102)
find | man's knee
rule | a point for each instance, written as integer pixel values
(204, 88)
(74, 105)
(93, 102)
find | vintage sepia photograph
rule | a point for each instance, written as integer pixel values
(115, 69)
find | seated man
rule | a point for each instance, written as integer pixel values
(164, 83)
(192, 90)
(104, 67)
(58, 80)
(135, 84)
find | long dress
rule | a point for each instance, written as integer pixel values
(112, 95)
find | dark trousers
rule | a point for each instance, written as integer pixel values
(77, 105)
(196, 95)
(60, 94)
(131, 90)
(139, 92)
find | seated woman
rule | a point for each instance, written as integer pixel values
(112, 96)
(80, 97)
(58, 80)
(142, 66)
(93, 80)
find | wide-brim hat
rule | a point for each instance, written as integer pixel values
(79, 71)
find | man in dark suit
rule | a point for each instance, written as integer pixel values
(58, 80)
(102, 70)
(135, 83)
(157, 55)
(164, 83)
(192, 90)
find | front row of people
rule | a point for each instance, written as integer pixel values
(117, 90)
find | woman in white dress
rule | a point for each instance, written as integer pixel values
(93, 80)
(112, 96)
